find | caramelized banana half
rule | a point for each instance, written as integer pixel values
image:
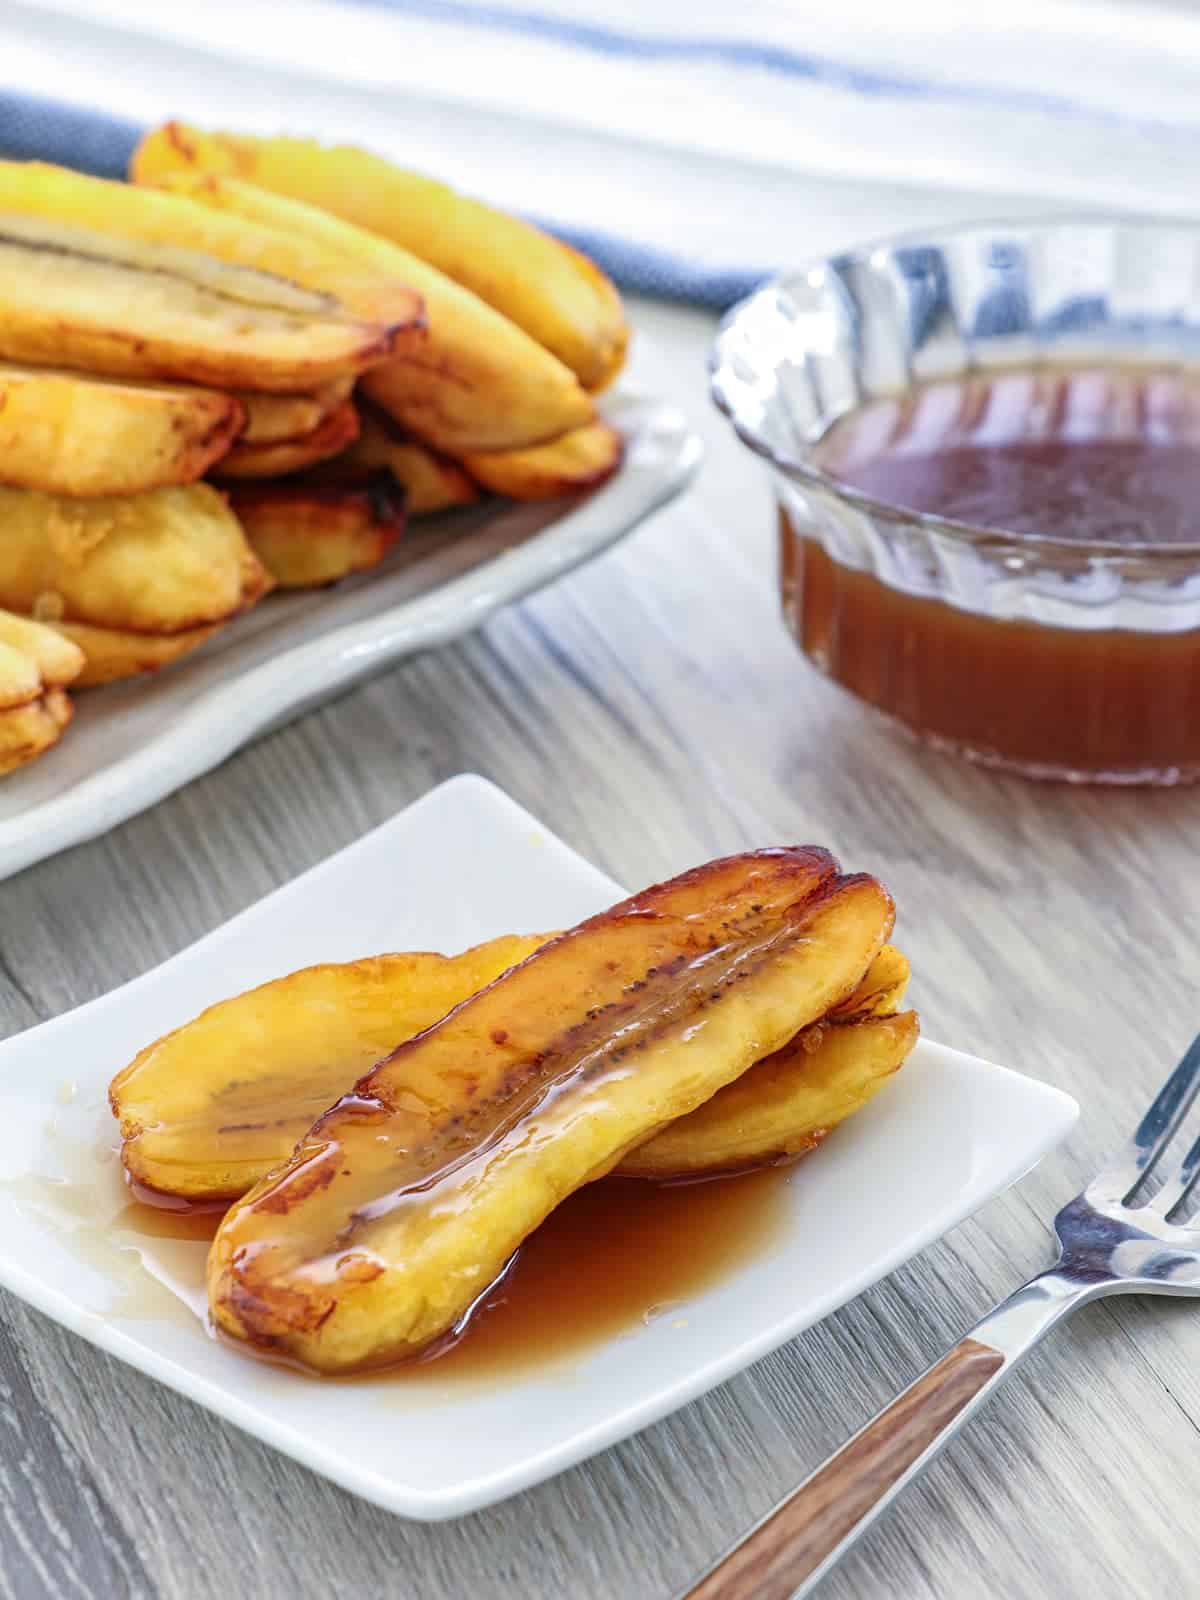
(405, 1201)
(786, 1104)
(209, 1109)
(881, 991)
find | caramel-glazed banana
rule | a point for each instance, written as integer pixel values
(209, 1109)
(404, 1202)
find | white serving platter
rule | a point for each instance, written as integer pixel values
(133, 743)
(461, 865)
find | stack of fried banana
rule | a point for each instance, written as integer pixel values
(331, 342)
(726, 1019)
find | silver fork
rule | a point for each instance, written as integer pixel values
(1105, 1246)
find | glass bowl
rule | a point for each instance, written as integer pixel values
(1046, 656)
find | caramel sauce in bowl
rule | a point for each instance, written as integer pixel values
(1109, 461)
(986, 449)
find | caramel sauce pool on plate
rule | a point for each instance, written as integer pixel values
(614, 1256)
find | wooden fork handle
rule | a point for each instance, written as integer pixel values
(801, 1534)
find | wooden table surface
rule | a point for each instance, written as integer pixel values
(651, 709)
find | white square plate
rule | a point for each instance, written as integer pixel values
(132, 743)
(461, 865)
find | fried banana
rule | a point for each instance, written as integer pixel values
(786, 1104)
(66, 433)
(308, 533)
(114, 653)
(28, 731)
(35, 668)
(272, 418)
(581, 459)
(431, 482)
(111, 654)
(55, 660)
(208, 1110)
(882, 990)
(20, 677)
(405, 1201)
(558, 296)
(163, 562)
(137, 283)
(337, 429)
(478, 382)
(77, 298)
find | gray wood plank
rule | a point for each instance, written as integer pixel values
(652, 710)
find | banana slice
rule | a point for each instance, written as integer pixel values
(431, 482)
(114, 653)
(882, 990)
(272, 418)
(309, 533)
(209, 1109)
(66, 433)
(49, 661)
(164, 562)
(554, 293)
(74, 297)
(478, 382)
(35, 668)
(111, 654)
(337, 429)
(28, 731)
(784, 1105)
(405, 1200)
(132, 282)
(582, 459)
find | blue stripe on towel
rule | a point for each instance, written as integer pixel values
(48, 130)
(603, 40)
(45, 130)
(729, 51)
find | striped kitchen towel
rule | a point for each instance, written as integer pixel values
(691, 148)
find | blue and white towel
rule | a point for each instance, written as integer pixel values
(693, 147)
